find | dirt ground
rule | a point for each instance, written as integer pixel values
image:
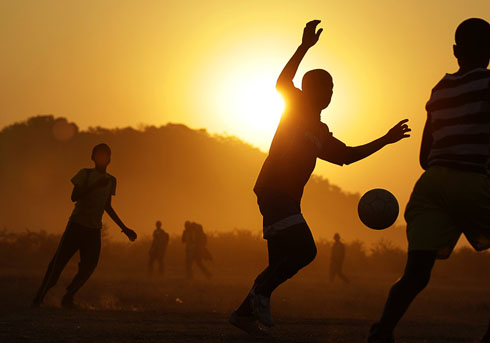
(118, 306)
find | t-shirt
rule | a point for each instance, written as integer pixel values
(299, 140)
(160, 239)
(458, 119)
(89, 209)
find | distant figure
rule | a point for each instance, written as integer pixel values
(337, 260)
(92, 193)
(158, 249)
(300, 139)
(195, 241)
(452, 197)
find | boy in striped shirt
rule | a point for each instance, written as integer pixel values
(452, 197)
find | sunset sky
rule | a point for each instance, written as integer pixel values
(213, 64)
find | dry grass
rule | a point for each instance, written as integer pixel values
(121, 304)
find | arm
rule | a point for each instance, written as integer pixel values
(398, 132)
(310, 37)
(426, 145)
(112, 213)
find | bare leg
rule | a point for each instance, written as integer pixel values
(89, 258)
(288, 253)
(415, 278)
(68, 246)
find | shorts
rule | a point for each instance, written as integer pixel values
(279, 212)
(444, 204)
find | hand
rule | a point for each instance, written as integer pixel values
(310, 35)
(130, 233)
(398, 132)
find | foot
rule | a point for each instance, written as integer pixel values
(261, 306)
(377, 336)
(67, 301)
(246, 323)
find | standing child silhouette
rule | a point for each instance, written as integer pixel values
(92, 193)
(300, 139)
(453, 194)
(158, 249)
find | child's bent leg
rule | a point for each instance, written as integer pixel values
(275, 252)
(66, 249)
(292, 250)
(89, 257)
(415, 278)
(288, 253)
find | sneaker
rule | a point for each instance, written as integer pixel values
(67, 301)
(376, 336)
(261, 306)
(246, 323)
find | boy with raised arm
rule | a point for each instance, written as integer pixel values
(92, 193)
(300, 139)
(453, 194)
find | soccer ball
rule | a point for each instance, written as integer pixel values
(378, 209)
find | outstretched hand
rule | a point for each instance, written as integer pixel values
(310, 35)
(130, 233)
(398, 132)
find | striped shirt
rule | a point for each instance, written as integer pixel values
(459, 121)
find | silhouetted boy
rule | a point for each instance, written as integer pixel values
(337, 260)
(300, 139)
(195, 241)
(453, 194)
(92, 193)
(158, 248)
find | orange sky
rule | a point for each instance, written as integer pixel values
(213, 64)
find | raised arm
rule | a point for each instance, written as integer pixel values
(310, 37)
(112, 213)
(395, 134)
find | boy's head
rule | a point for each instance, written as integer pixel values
(472, 46)
(158, 224)
(317, 85)
(101, 155)
(336, 237)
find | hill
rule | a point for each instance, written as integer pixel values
(172, 173)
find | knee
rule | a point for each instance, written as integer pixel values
(309, 254)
